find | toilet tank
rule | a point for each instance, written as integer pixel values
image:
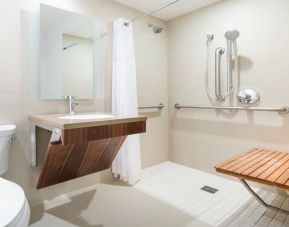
(6, 135)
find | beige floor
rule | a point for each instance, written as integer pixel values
(168, 195)
(110, 205)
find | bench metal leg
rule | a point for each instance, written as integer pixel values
(260, 200)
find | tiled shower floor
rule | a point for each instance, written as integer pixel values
(168, 195)
(232, 205)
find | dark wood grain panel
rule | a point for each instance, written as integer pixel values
(84, 151)
(67, 162)
(80, 135)
(90, 163)
(108, 155)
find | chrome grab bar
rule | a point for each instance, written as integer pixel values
(284, 109)
(159, 106)
(218, 89)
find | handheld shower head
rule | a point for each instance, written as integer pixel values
(232, 35)
(232, 53)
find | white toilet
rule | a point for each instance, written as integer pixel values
(14, 208)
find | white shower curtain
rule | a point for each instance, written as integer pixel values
(127, 164)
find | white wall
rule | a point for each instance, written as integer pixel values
(15, 87)
(203, 138)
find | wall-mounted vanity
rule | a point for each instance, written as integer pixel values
(80, 144)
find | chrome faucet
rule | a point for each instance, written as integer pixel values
(72, 103)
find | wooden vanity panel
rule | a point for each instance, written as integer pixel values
(83, 151)
(67, 162)
(107, 157)
(80, 135)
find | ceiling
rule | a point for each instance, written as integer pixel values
(179, 8)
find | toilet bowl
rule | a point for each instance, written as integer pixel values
(14, 208)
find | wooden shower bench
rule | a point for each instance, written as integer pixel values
(259, 165)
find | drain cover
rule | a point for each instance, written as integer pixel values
(209, 189)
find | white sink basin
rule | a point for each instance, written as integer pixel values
(86, 117)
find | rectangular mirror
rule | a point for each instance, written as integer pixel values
(68, 50)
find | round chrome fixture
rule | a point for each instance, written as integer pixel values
(248, 96)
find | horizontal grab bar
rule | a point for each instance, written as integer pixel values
(284, 109)
(159, 106)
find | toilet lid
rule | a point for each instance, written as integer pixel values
(12, 202)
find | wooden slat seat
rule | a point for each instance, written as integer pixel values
(259, 165)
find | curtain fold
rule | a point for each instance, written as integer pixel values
(127, 164)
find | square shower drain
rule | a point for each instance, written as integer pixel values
(209, 189)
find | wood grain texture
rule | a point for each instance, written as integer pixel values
(83, 151)
(67, 162)
(80, 135)
(259, 165)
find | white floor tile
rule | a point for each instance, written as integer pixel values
(232, 205)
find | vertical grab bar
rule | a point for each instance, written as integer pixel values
(218, 89)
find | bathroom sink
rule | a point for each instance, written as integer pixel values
(86, 117)
(81, 120)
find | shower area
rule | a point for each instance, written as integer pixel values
(225, 95)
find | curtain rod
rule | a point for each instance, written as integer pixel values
(151, 12)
